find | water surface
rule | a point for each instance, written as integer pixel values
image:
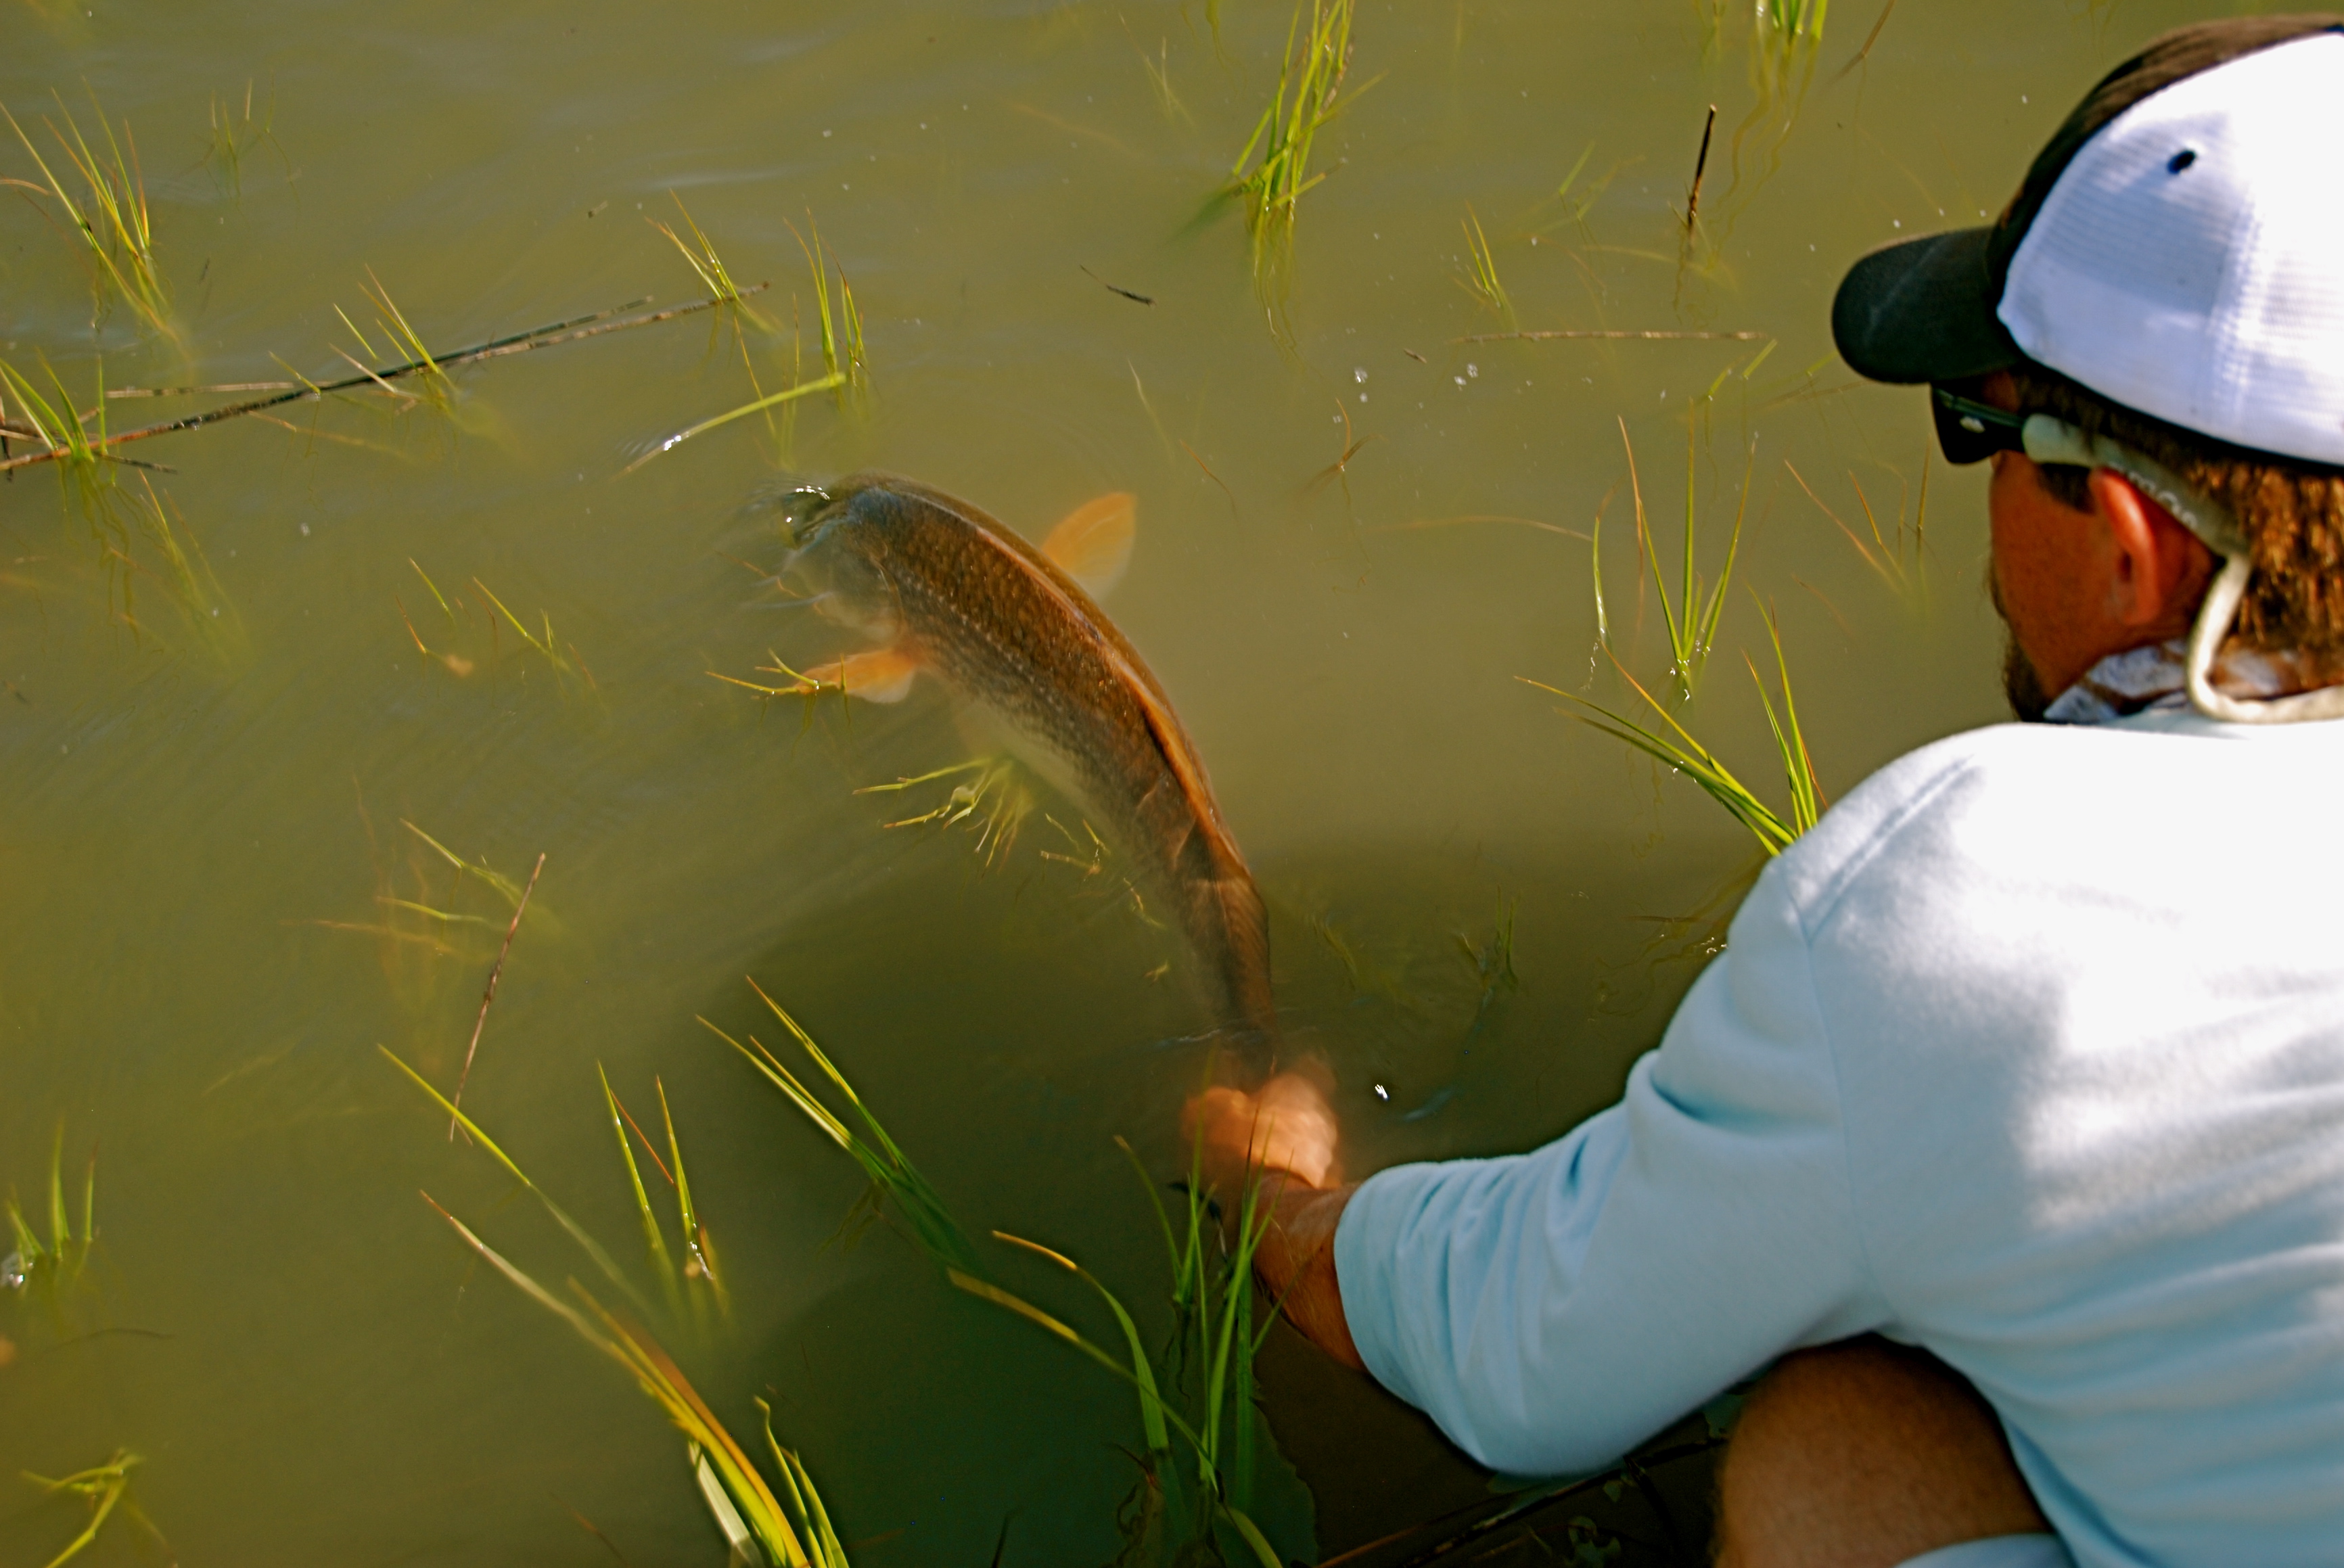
(199, 818)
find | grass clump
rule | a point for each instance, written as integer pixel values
(437, 389)
(104, 1488)
(1794, 18)
(896, 1184)
(109, 216)
(757, 1523)
(1675, 746)
(1192, 1497)
(1273, 171)
(1481, 282)
(1191, 1503)
(1693, 619)
(233, 138)
(58, 1260)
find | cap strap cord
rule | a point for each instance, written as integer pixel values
(2052, 440)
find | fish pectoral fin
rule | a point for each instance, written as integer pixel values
(881, 675)
(1093, 545)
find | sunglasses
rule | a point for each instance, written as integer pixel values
(1969, 431)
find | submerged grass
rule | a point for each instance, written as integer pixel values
(1675, 746)
(1692, 620)
(110, 216)
(744, 1505)
(104, 1488)
(896, 1183)
(1273, 171)
(994, 804)
(233, 138)
(1191, 1499)
(1898, 555)
(1194, 1499)
(1482, 281)
(58, 1261)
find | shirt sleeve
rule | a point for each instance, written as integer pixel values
(1552, 1309)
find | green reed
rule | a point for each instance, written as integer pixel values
(103, 1489)
(58, 1260)
(896, 1181)
(744, 1505)
(1310, 96)
(233, 138)
(994, 804)
(1693, 619)
(1896, 554)
(84, 470)
(1203, 1391)
(1676, 747)
(1481, 282)
(110, 216)
(1200, 1390)
(1794, 18)
(437, 389)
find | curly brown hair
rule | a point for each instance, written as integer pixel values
(2292, 511)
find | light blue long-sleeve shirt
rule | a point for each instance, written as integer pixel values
(2031, 1053)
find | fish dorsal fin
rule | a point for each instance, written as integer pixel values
(1093, 545)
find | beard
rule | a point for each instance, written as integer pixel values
(2021, 685)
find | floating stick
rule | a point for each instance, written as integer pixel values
(488, 996)
(517, 343)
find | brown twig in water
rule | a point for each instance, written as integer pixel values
(220, 389)
(1127, 294)
(568, 331)
(1700, 166)
(489, 994)
(1617, 332)
(1870, 39)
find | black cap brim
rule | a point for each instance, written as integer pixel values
(1923, 310)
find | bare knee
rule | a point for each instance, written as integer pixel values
(1860, 1455)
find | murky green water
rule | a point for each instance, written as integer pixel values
(201, 818)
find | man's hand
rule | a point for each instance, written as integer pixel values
(1286, 1132)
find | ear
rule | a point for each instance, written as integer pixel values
(2157, 556)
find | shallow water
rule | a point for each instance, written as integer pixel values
(200, 816)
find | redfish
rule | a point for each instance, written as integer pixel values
(948, 591)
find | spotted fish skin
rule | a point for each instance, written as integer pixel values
(962, 597)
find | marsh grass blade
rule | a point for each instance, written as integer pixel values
(1675, 748)
(707, 1441)
(57, 1262)
(577, 1232)
(104, 1488)
(894, 1179)
(1481, 282)
(111, 218)
(654, 1243)
(1272, 173)
(1693, 619)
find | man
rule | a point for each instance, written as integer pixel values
(2009, 1128)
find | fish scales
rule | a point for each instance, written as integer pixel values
(994, 617)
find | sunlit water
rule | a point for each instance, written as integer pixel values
(200, 818)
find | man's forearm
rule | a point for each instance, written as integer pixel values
(1295, 1264)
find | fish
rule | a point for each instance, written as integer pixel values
(944, 589)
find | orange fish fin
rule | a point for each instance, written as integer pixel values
(881, 675)
(1093, 545)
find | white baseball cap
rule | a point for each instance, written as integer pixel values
(2177, 248)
